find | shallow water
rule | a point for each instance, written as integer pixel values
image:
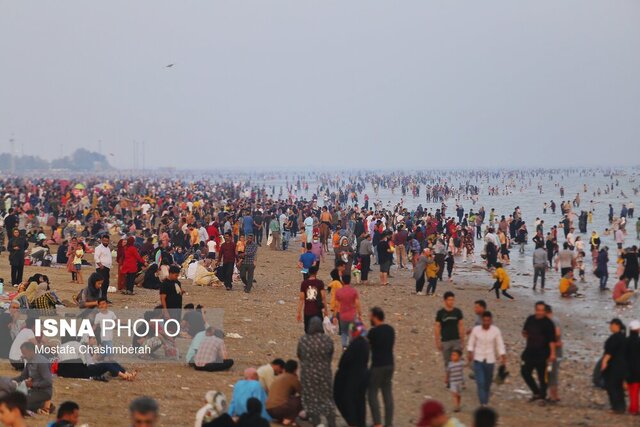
(588, 316)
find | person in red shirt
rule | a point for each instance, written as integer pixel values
(130, 261)
(313, 298)
(349, 306)
(621, 293)
(227, 255)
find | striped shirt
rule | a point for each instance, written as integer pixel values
(456, 372)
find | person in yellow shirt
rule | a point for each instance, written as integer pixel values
(567, 287)
(503, 282)
(432, 273)
(335, 284)
(194, 237)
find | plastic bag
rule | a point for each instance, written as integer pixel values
(329, 328)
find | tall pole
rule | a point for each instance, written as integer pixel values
(143, 153)
(13, 154)
(135, 155)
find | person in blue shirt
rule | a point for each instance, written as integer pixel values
(245, 389)
(306, 261)
(247, 224)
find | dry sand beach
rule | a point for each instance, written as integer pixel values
(266, 321)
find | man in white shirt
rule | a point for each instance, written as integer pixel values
(202, 233)
(103, 259)
(484, 348)
(145, 208)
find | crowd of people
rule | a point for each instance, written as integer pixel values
(154, 232)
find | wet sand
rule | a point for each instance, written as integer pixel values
(269, 330)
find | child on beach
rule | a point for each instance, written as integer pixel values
(333, 287)
(502, 283)
(77, 262)
(450, 261)
(567, 287)
(432, 275)
(356, 272)
(455, 377)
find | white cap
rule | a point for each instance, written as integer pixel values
(634, 325)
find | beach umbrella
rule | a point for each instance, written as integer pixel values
(79, 187)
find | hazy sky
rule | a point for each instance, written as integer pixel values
(360, 83)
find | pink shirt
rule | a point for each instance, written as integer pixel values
(346, 297)
(619, 289)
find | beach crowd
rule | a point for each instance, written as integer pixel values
(165, 234)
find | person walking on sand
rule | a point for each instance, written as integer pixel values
(227, 257)
(454, 377)
(419, 271)
(431, 272)
(381, 338)
(274, 231)
(539, 265)
(485, 348)
(614, 366)
(248, 265)
(449, 327)
(313, 299)
(540, 349)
